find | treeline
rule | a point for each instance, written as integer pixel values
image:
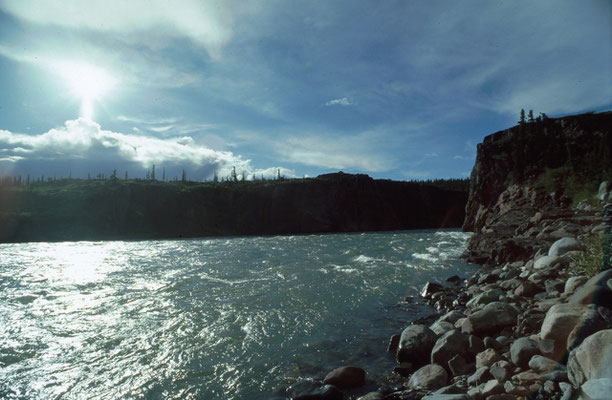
(93, 209)
(233, 177)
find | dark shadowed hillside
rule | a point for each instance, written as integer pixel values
(92, 209)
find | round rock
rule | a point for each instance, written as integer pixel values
(346, 377)
(429, 377)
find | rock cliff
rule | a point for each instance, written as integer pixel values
(534, 183)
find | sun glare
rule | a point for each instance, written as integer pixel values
(86, 82)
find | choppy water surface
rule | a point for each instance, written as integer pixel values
(223, 318)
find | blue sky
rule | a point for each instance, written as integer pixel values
(394, 89)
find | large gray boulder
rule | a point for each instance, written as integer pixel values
(415, 345)
(547, 262)
(450, 344)
(543, 364)
(522, 350)
(574, 283)
(592, 359)
(597, 389)
(594, 291)
(592, 322)
(559, 322)
(488, 321)
(429, 377)
(441, 327)
(564, 245)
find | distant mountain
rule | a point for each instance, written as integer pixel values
(137, 209)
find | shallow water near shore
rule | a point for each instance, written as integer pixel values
(220, 318)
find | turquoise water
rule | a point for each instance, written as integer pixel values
(222, 318)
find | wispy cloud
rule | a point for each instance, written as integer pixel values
(362, 152)
(206, 23)
(344, 101)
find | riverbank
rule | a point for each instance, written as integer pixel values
(532, 328)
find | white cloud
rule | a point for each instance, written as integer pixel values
(85, 141)
(345, 101)
(206, 23)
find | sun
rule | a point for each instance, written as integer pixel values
(86, 82)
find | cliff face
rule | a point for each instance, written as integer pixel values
(582, 144)
(543, 168)
(132, 209)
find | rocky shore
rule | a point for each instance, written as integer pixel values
(524, 329)
(533, 322)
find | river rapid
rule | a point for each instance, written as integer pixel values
(210, 318)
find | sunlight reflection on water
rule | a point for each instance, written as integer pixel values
(216, 319)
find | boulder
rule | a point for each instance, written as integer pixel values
(451, 316)
(453, 279)
(491, 343)
(429, 377)
(560, 320)
(481, 375)
(546, 262)
(594, 291)
(346, 377)
(592, 322)
(573, 283)
(488, 321)
(564, 245)
(597, 389)
(430, 288)
(554, 285)
(415, 344)
(543, 364)
(441, 327)
(528, 377)
(522, 350)
(527, 289)
(325, 392)
(592, 359)
(485, 298)
(501, 370)
(486, 358)
(448, 345)
(459, 366)
(492, 387)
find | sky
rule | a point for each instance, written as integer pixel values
(396, 89)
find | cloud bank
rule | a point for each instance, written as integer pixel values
(83, 144)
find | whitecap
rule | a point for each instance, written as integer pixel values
(346, 270)
(364, 259)
(426, 257)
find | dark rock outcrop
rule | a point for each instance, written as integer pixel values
(517, 206)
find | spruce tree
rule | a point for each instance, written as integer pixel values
(522, 119)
